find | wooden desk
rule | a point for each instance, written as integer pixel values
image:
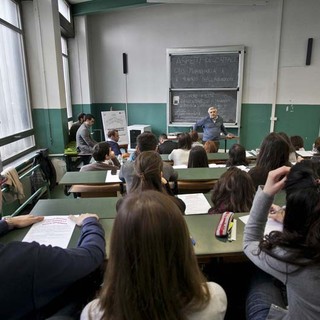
(200, 174)
(86, 177)
(103, 207)
(201, 227)
(218, 158)
(99, 177)
(90, 179)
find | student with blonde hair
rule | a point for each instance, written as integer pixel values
(152, 270)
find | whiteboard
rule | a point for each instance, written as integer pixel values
(115, 120)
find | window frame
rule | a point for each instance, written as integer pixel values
(30, 132)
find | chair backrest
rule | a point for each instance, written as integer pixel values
(195, 186)
(93, 191)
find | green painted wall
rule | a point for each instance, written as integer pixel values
(303, 120)
(79, 108)
(51, 129)
(255, 124)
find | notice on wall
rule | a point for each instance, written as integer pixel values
(115, 120)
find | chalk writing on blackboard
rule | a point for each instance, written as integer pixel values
(205, 70)
(189, 106)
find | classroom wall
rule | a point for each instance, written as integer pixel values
(275, 74)
(280, 92)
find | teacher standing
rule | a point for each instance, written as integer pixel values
(212, 127)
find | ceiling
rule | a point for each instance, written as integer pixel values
(240, 2)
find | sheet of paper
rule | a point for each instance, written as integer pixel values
(196, 203)
(214, 165)
(243, 168)
(180, 166)
(305, 153)
(248, 154)
(271, 224)
(53, 230)
(112, 177)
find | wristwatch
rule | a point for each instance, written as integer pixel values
(9, 222)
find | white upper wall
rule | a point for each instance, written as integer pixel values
(145, 34)
(300, 84)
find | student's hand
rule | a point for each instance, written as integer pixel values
(79, 219)
(22, 221)
(275, 181)
(299, 159)
(277, 213)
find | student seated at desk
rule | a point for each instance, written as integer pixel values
(198, 158)
(152, 271)
(292, 256)
(316, 145)
(274, 153)
(75, 126)
(146, 141)
(297, 142)
(104, 157)
(210, 147)
(148, 176)
(237, 156)
(38, 281)
(234, 191)
(181, 155)
(293, 156)
(195, 139)
(113, 138)
(165, 145)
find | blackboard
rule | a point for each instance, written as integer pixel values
(205, 70)
(203, 77)
(189, 106)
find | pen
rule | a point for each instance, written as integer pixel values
(232, 236)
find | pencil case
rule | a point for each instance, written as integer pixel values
(223, 225)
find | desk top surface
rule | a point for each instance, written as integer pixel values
(103, 207)
(99, 177)
(86, 177)
(200, 174)
(201, 227)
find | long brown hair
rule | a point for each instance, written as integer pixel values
(198, 158)
(148, 167)
(152, 271)
(274, 152)
(234, 191)
(301, 225)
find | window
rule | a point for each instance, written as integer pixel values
(16, 129)
(64, 9)
(66, 76)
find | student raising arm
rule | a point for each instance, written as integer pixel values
(291, 256)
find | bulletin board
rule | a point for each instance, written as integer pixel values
(115, 120)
